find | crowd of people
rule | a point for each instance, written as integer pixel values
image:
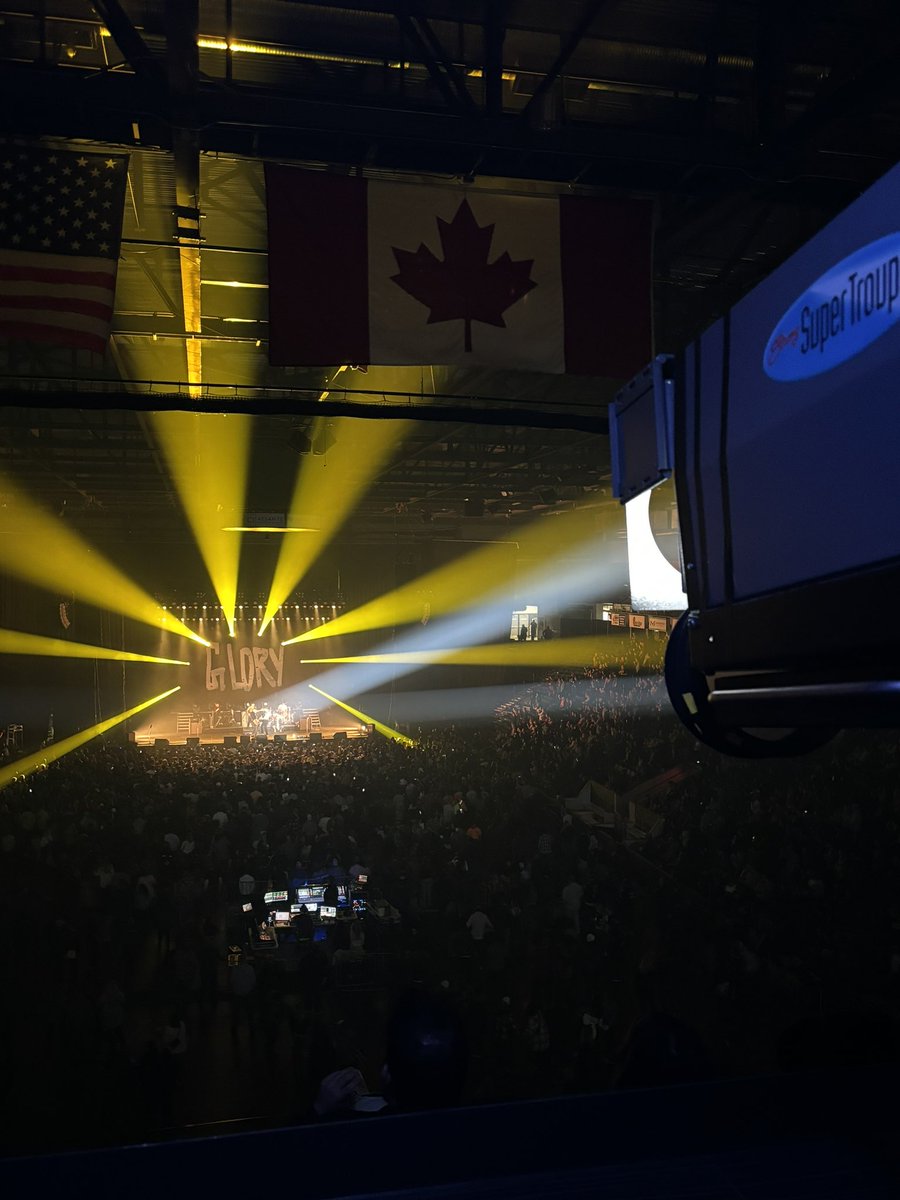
(753, 925)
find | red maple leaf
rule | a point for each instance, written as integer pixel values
(463, 286)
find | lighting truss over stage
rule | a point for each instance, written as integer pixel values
(208, 609)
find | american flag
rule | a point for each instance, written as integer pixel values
(60, 229)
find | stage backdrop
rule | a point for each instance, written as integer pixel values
(230, 673)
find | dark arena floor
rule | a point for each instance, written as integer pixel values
(449, 572)
(731, 921)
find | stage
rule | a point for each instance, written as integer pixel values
(226, 739)
(252, 724)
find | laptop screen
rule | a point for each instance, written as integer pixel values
(327, 911)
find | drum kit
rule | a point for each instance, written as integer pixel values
(265, 719)
(222, 718)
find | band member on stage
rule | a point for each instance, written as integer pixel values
(264, 715)
(249, 719)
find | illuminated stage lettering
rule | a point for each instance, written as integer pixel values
(224, 680)
(247, 668)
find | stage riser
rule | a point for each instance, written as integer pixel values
(325, 735)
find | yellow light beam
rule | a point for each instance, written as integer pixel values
(464, 581)
(49, 754)
(14, 642)
(602, 651)
(327, 488)
(207, 455)
(394, 734)
(41, 549)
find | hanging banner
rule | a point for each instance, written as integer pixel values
(368, 272)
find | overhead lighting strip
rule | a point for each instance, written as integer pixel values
(271, 51)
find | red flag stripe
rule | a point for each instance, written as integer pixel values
(605, 247)
(65, 320)
(77, 339)
(87, 308)
(79, 291)
(318, 270)
(58, 275)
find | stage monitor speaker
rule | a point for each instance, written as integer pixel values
(280, 738)
(230, 739)
(160, 743)
(246, 739)
(260, 737)
(316, 737)
(340, 736)
(192, 741)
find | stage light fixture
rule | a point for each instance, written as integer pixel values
(41, 549)
(393, 734)
(48, 754)
(208, 455)
(14, 642)
(299, 442)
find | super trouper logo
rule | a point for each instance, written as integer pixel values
(844, 311)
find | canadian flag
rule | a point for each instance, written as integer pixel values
(391, 273)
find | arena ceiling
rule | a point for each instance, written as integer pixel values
(749, 124)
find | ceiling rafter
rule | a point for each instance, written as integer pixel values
(568, 48)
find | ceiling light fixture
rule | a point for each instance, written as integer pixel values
(235, 283)
(269, 50)
(506, 76)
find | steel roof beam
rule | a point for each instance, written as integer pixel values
(447, 78)
(590, 421)
(262, 124)
(129, 40)
(494, 37)
(571, 44)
